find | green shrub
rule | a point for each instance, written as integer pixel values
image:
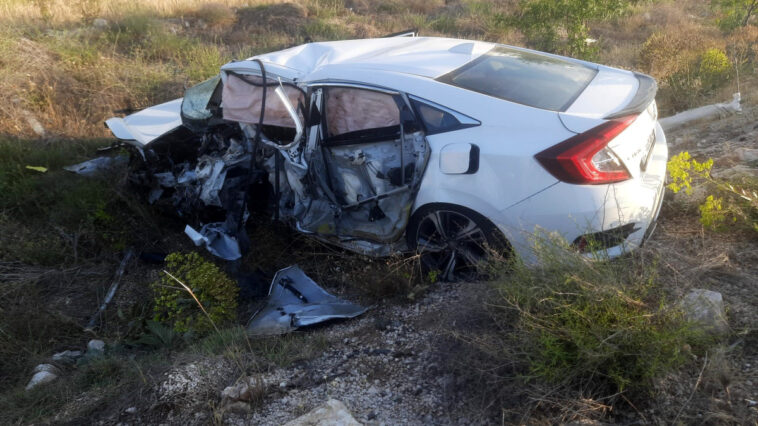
(543, 21)
(715, 68)
(602, 326)
(736, 204)
(215, 291)
(734, 13)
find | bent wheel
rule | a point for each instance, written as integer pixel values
(452, 240)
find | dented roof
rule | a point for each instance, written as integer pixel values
(420, 56)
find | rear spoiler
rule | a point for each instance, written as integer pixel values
(645, 94)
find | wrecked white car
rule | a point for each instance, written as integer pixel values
(389, 145)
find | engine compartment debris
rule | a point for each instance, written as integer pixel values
(295, 300)
(341, 163)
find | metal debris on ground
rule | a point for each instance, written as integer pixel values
(295, 300)
(97, 165)
(112, 290)
(216, 239)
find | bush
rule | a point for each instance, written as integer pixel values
(734, 13)
(215, 14)
(715, 68)
(601, 326)
(543, 21)
(686, 71)
(735, 204)
(177, 307)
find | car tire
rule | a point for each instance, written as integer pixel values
(456, 242)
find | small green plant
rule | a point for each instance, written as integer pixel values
(601, 326)
(731, 204)
(714, 69)
(209, 299)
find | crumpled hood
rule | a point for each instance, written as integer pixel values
(144, 126)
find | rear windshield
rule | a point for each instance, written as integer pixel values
(526, 78)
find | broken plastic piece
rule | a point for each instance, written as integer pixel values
(97, 165)
(295, 300)
(216, 240)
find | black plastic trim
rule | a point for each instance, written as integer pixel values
(645, 94)
(473, 160)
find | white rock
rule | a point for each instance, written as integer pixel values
(706, 308)
(67, 356)
(47, 368)
(747, 154)
(39, 378)
(247, 390)
(96, 345)
(99, 23)
(131, 410)
(333, 412)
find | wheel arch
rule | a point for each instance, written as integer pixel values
(420, 210)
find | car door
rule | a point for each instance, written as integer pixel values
(367, 155)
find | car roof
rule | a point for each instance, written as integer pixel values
(419, 56)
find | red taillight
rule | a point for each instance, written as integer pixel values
(586, 158)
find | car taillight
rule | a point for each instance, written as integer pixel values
(586, 158)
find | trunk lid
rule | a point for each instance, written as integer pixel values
(614, 94)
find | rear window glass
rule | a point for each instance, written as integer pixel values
(526, 78)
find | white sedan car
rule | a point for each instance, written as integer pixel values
(436, 145)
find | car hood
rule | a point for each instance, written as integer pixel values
(144, 126)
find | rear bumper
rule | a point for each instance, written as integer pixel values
(571, 211)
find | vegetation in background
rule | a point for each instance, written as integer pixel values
(544, 21)
(603, 326)
(216, 292)
(736, 13)
(727, 203)
(61, 232)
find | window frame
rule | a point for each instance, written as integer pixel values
(464, 121)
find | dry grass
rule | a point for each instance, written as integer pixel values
(67, 11)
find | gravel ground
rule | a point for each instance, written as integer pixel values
(386, 371)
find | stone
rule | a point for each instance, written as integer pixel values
(747, 155)
(239, 407)
(40, 378)
(100, 23)
(131, 410)
(48, 368)
(333, 412)
(67, 357)
(706, 308)
(247, 390)
(96, 345)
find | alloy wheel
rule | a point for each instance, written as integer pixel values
(451, 243)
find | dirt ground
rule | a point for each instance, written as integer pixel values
(400, 362)
(403, 361)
